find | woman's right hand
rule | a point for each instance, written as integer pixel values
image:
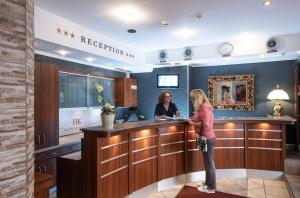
(190, 121)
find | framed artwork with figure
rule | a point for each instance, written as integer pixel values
(234, 92)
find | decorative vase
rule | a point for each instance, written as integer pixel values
(108, 121)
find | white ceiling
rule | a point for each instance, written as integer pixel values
(224, 20)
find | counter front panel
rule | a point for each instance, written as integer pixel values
(117, 163)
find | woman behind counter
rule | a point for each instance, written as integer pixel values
(203, 121)
(165, 107)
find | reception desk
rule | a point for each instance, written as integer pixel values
(133, 155)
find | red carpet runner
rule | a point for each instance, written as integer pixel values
(192, 192)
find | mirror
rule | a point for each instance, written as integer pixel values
(234, 92)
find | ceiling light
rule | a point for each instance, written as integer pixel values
(198, 15)
(164, 23)
(90, 59)
(128, 14)
(267, 2)
(298, 52)
(184, 33)
(63, 52)
(131, 31)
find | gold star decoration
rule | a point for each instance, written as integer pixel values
(66, 33)
(58, 30)
(72, 35)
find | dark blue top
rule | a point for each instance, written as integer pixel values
(160, 110)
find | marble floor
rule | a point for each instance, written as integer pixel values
(256, 188)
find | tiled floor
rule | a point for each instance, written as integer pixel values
(256, 188)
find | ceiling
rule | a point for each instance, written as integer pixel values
(222, 20)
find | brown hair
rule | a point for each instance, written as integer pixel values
(199, 98)
(161, 97)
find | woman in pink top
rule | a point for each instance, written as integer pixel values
(203, 121)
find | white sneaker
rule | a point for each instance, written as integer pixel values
(206, 190)
(201, 184)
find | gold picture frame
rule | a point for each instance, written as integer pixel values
(234, 92)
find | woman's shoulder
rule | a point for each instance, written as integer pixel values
(206, 106)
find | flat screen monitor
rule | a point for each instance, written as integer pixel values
(167, 81)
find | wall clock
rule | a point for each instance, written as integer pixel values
(225, 49)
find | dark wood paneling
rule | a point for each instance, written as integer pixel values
(144, 143)
(264, 143)
(264, 159)
(114, 185)
(70, 177)
(125, 95)
(42, 183)
(143, 163)
(228, 126)
(229, 158)
(264, 134)
(230, 143)
(46, 103)
(143, 174)
(113, 165)
(171, 165)
(174, 137)
(170, 129)
(194, 161)
(47, 166)
(172, 148)
(113, 151)
(141, 155)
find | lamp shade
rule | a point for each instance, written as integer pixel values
(278, 94)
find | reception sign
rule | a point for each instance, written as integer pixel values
(58, 30)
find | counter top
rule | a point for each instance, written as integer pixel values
(268, 118)
(125, 127)
(140, 125)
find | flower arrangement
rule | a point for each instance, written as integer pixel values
(100, 90)
(107, 108)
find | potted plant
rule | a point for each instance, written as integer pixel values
(107, 112)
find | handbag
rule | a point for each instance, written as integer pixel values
(201, 142)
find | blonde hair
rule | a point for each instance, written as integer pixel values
(199, 98)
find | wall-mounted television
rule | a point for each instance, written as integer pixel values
(167, 81)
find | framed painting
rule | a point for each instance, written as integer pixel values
(234, 92)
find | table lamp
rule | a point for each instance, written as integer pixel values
(277, 95)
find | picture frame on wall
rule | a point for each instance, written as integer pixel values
(233, 92)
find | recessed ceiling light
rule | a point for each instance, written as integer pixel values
(131, 31)
(90, 59)
(267, 2)
(164, 23)
(128, 14)
(198, 15)
(63, 52)
(184, 33)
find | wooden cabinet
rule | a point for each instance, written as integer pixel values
(126, 92)
(46, 166)
(46, 105)
(42, 184)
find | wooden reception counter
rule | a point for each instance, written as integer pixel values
(118, 162)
